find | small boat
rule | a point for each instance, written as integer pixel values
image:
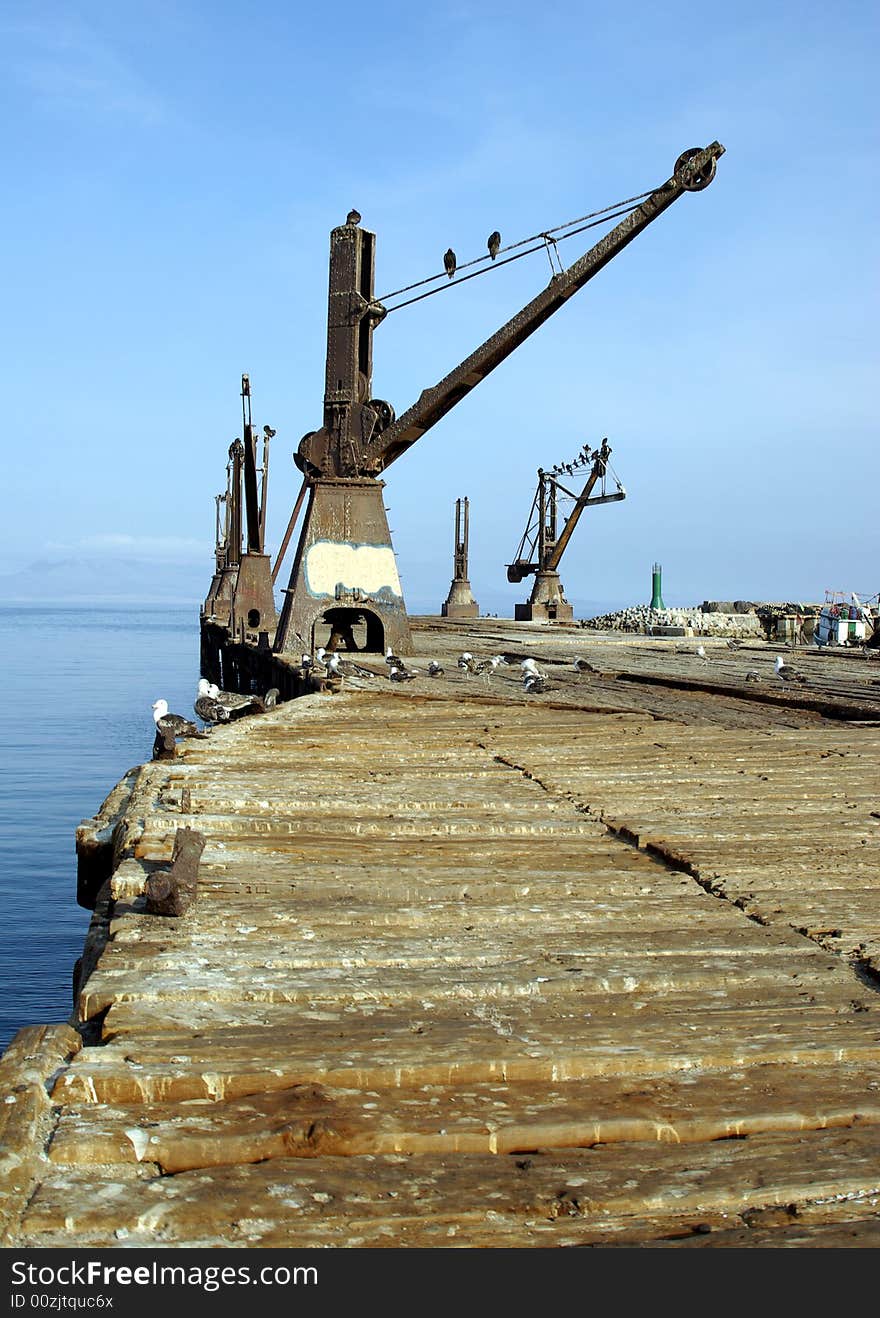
(843, 620)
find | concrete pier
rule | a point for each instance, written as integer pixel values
(468, 967)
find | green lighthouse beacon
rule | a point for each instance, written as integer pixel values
(656, 592)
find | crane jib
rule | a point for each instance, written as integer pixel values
(694, 171)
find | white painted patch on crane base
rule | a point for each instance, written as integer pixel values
(370, 568)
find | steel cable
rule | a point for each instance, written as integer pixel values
(606, 213)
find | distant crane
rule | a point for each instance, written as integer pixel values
(541, 548)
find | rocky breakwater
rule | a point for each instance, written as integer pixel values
(740, 620)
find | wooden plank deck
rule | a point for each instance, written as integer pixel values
(471, 968)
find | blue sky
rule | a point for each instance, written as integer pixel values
(173, 171)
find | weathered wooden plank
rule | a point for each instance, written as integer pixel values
(27, 1066)
(313, 1121)
(455, 980)
(600, 1195)
(375, 1053)
(166, 1017)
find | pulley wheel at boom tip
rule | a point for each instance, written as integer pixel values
(694, 182)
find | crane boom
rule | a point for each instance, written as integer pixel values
(544, 546)
(694, 170)
(598, 469)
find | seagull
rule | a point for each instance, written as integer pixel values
(173, 723)
(487, 666)
(392, 660)
(701, 654)
(494, 243)
(401, 674)
(466, 663)
(753, 676)
(434, 669)
(332, 664)
(234, 703)
(533, 683)
(307, 662)
(449, 262)
(581, 666)
(786, 673)
(209, 710)
(733, 643)
(530, 669)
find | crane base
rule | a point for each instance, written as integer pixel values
(547, 602)
(344, 591)
(253, 602)
(562, 612)
(460, 603)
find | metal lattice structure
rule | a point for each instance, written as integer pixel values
(543, 544)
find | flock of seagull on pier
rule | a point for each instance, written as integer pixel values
(533, 679)
(213, 706)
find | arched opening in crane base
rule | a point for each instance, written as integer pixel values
(349, 629)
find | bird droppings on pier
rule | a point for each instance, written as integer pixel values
(470, 967)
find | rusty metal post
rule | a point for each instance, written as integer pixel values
(460, 603)
(344, 586)
(542, 518)
(218, 602)
(547, 602)
(240, 598)
(279, 559)
(233, 548)
(249, 452)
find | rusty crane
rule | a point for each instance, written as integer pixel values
(240, 597)
(542, 545)
(344, 575)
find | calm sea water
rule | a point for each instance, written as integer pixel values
(78, 684)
